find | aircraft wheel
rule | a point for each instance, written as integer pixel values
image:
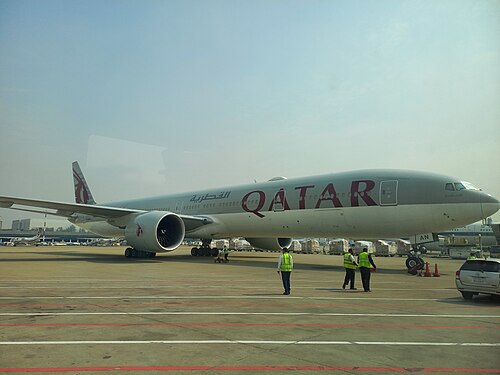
(133, 253)
(194, 251)
(415, 263)
(214, 252)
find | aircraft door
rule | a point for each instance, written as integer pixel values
(389, 193)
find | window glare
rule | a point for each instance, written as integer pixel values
(469, 186)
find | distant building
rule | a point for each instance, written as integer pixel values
(25, 224)
(16, 224)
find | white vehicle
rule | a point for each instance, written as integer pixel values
(479, 276)
(363, 204)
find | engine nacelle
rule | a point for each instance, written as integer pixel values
(155, 231)
(270, 243)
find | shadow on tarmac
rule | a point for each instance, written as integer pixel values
(77, 255)
(479, 300)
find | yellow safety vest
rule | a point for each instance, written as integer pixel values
(286, 263)
(348, 262)
(364, 261)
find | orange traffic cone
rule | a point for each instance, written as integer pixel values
(427, 270)
(436, 272)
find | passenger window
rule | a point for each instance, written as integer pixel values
(449, 187)
(459, 186)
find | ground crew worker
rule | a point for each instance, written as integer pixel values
(472, 256)
(366, 263)
(350, 265)
(285, 267)
(226, 253)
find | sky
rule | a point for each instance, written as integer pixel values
(155, 97)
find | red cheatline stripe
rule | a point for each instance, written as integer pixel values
(325, 325)
(254, 368)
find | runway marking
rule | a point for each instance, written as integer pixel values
(324, 325)
(254, 303)
(255, 368)
(234, 297)
(247, 313)
(254, 342)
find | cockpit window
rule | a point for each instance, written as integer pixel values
(457, 186)
(469, 186)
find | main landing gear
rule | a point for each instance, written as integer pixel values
(133, 253)
(204, 250)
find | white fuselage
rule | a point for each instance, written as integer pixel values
(357, 205)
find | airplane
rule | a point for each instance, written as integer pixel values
(14, 241)
(473, 234)
(363, 204)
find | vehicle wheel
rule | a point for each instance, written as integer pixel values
(214, 252)
(467, 295)
(194, 251)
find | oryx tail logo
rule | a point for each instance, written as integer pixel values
(81, 193)
(139, 230)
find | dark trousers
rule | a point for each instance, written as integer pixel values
(350, 275)
(365, 277)
(285, 276)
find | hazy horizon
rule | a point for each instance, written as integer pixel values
(156, 97)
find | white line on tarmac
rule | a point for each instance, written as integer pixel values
(262, 342)
(226, 297)
(247, 313)
(209, 287)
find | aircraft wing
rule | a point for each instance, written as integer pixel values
(65, 209)
(70, 209)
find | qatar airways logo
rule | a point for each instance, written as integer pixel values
(328, 198)
(138, 231)
(81, 193)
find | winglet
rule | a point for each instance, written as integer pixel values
(82, 191)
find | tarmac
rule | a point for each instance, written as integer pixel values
(86, 310)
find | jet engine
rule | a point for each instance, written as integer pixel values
(155, 231)
(270, 243)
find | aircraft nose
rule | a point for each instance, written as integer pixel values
(489, 205)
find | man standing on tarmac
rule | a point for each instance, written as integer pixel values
(350, 265)
(226, 253)
(285, 267)
(365, 262)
